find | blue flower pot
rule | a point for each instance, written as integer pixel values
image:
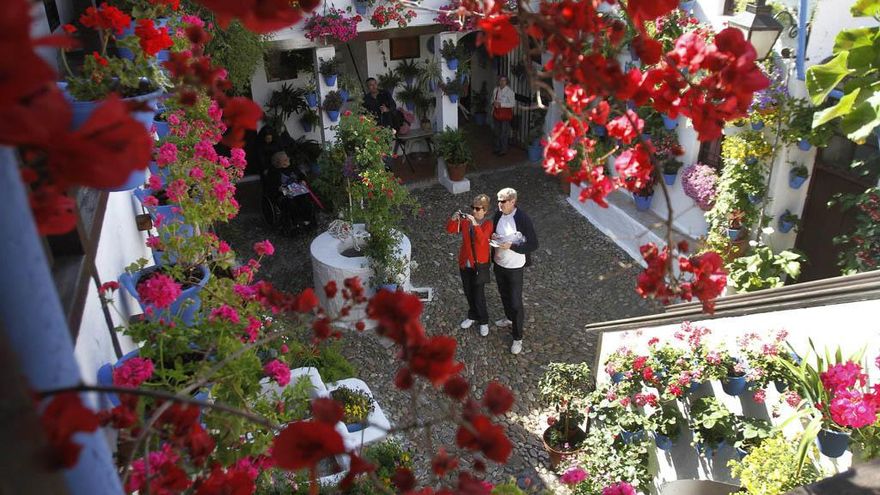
(663, 442)
(82, 110)
(162, 128)
(804, 145)
(669, 179)
(733, 234)
(344, 95)
(795, 181)
(186, 306)
(734, 385)
(105, 376)
(480, 118)
(617, 377)
(154, 169)
(452, 63)
(632, 436)
(599, 130)
(832, 443)
(312, 99)
(411, 106)
(135, 179)
(355, 427)
(751, 160)
(389, 287)
(693, 387)
(453, 97)
(785, 227)
(330, 80)
(741, 453)
(755, 198)
(668, 122)
(780, 385)
(757, 126)
(536, 153)
(643, 203)
(360, 8)
(307, 126)
(333, 115)
(687, 6)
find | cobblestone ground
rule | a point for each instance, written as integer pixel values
(578, 277)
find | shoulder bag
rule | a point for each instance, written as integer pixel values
(482, 269)
(501, 114)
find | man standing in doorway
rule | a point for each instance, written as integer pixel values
(514, 239)
(503, 101)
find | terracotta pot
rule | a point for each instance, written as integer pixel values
(456, 171)
(576, 436)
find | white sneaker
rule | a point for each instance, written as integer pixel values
(503, 322)
(516, 348)
(467, 323)
(484, 330)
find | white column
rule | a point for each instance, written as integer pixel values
(328, 134)
(446, 114)
(554, 110)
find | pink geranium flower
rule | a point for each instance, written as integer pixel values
(133, 372)
(621, 488)
(853, 409)
(158, 290)
(573, 476)
(278, 371)
(843, 376)
(264, 248)
(224, 313)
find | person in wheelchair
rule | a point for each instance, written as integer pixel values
(289, 198)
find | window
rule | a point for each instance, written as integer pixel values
(403, 48)
(710, 153)
(282, 65)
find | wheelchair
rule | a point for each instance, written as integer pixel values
(284, 217)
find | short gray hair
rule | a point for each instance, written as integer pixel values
(506, 193)
(278, 157)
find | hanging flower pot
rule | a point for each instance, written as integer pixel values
(796, 178)
(663, 442)
(617, 377)
(389, 288)
(734, 385)
(757, 126)
(452, 63)
(668, 122)
(832, 443)
(632, 436)
(669, 179)
(804, 145)
(162, 128)
(785, 226)
(333, 115)
(643, 203)
(751, 160)
(306, 125)
(453, 97)
(780, 385)
(312, 99)
(360, 7)
(330, 80)
(344, 94)
(185, 306)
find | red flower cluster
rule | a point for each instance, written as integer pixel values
(105, 18)
(707, 281)
(260, 16)
(63, 417)
(152, 40)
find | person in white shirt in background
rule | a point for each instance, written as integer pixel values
(502, 97)
(514, 239)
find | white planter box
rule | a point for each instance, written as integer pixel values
(378, 422)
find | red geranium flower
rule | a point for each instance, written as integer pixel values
(260, 16)
(240, 114)
(152, 40)
(498, 398)
(499, 36)
(486, 437)
(304, 443)
(435, 359)
(64, 416)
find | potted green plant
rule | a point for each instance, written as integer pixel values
(332, 104)
(772, 468)
(424, 105)
(712, 422)
(798, 175)
(666, 422)
(329, 69)
(644, 196)
(763, 269)
(631, 425)
(309, 119)
(799, 128)
(449, 52)
(565, 387)
(357, 406)
(452, 88)
(283, 103)
(311, 90)
(670, 170)
(735, 219)
(750, 433)
(431, 74)
(408, 70)
(788, 221)
(389, 81)
(453, 147)
(349, 86)
(410, 95)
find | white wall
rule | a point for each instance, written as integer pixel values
(120, 245)
(830, 17)
(261, 91)
(858, 321)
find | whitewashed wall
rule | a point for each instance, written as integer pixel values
(850, 326)
(120, 245)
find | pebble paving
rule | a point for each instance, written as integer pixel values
(579, 276)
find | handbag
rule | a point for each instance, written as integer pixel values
(502, 114)
(482, 269)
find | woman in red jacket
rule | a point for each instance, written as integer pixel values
(474, 251)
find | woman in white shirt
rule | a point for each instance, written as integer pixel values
(503, 101)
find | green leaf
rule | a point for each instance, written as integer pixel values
(865, 8)
(822, 78)
(850, 38)
(842, 108)
(861, 121)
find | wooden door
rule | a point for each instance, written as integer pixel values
(820, 223)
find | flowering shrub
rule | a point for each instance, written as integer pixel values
(860, 249)
(455, 18)
(698, 181)
(392, 11)
(334, 25)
